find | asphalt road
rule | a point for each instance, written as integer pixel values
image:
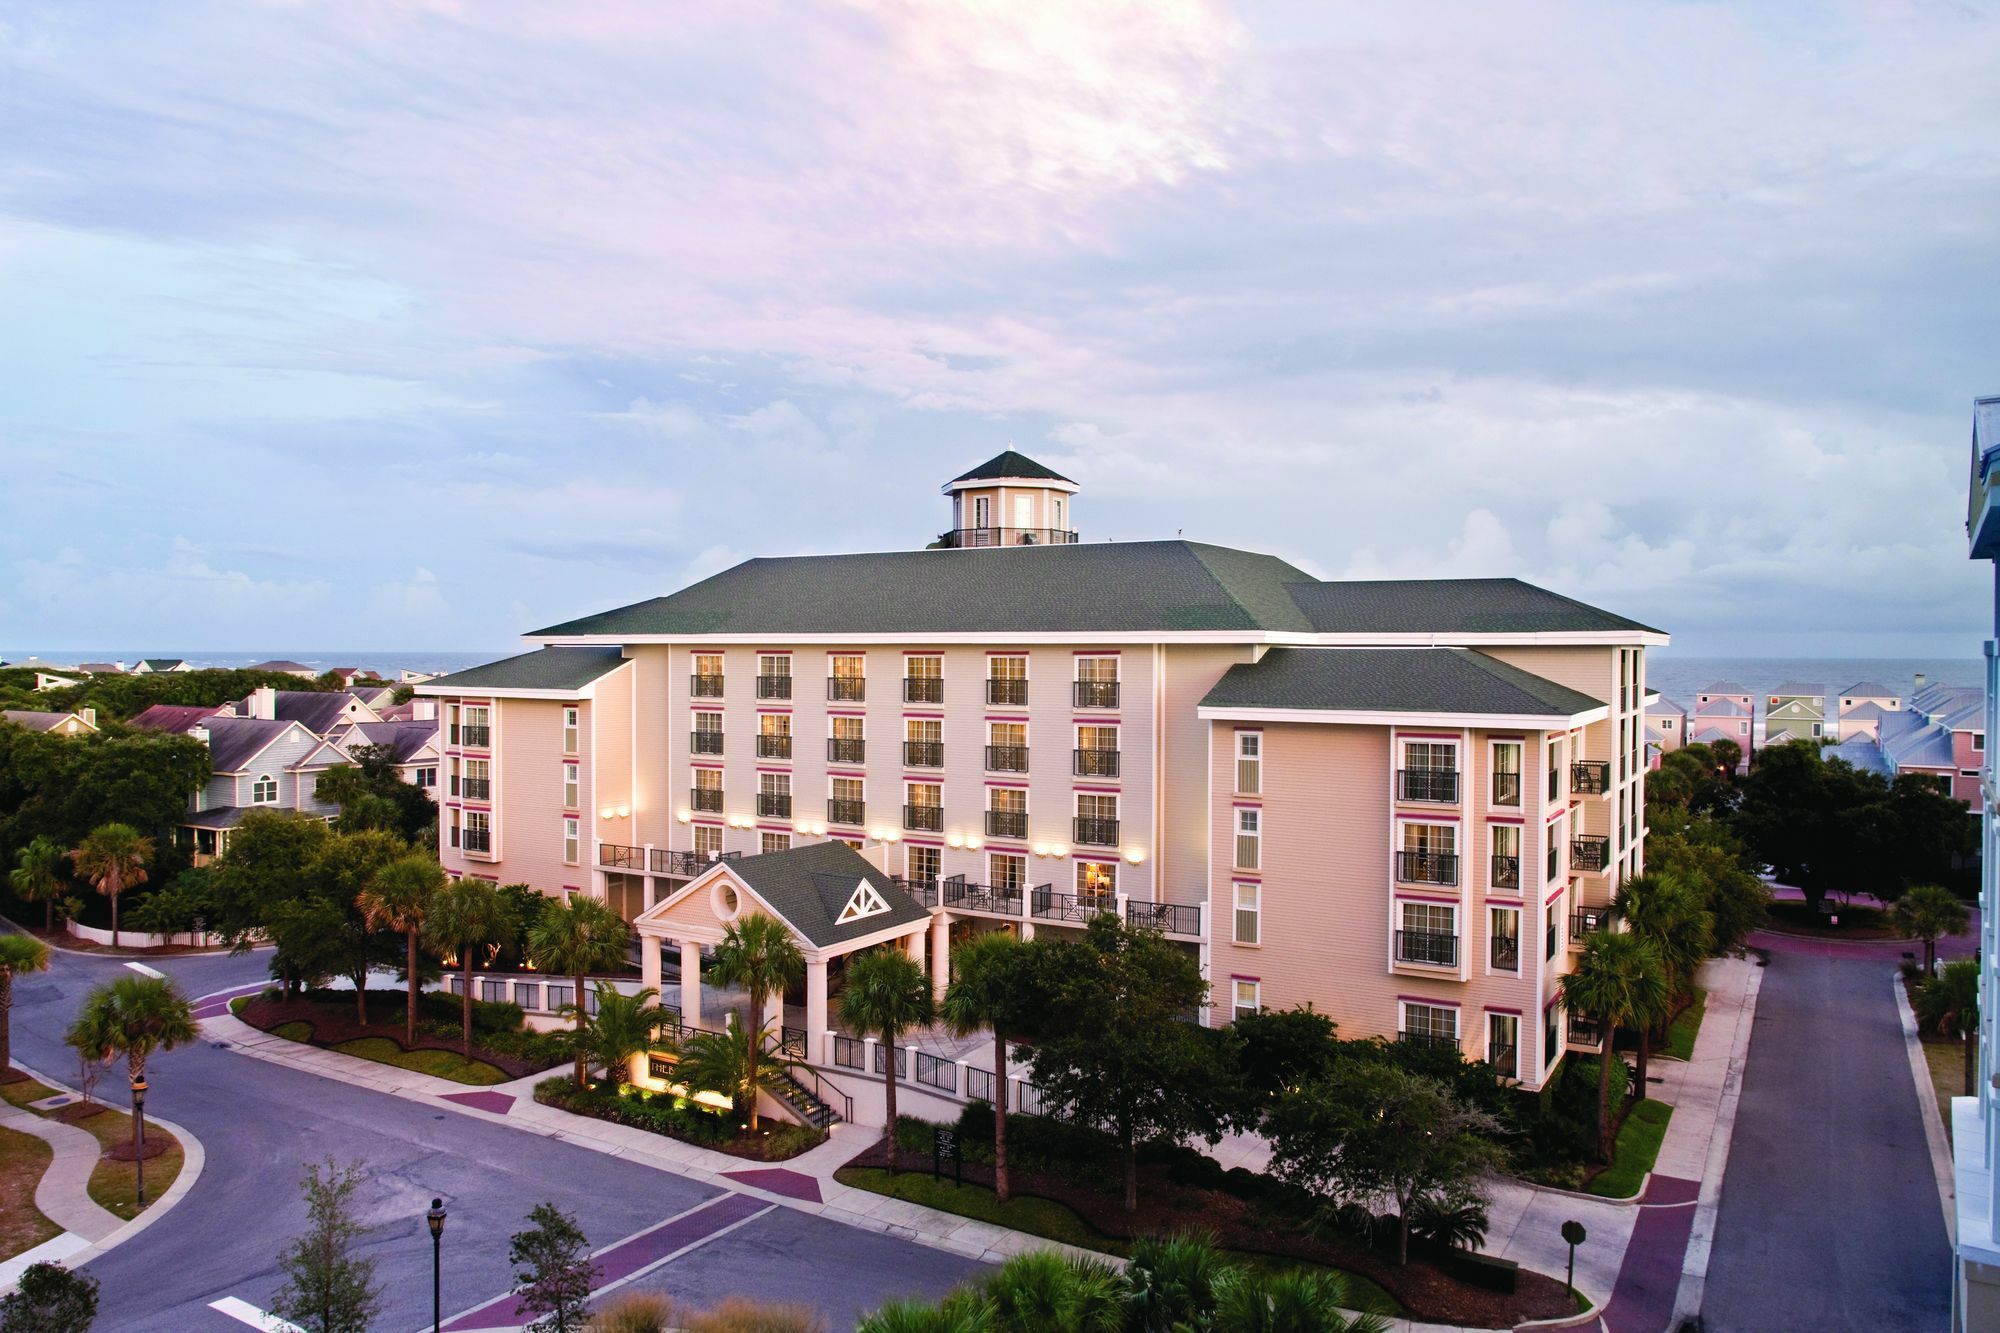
(260, 1123)
(1830, 1216)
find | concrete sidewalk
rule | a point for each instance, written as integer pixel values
(63, 1194)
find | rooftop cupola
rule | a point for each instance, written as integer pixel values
(1010, 500)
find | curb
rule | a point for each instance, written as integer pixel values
(1590, 1316)
(1934, 1135)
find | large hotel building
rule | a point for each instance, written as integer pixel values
(1403, 802)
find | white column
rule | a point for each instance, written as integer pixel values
(774, 1016)
(649, 962)
(940, 954)
(913, 943)
(691, 983)
(816, 1008)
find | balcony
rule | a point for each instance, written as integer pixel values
(613, 856)
(773, 745)
(1427, 784)
(960, 896)
(923, 689)
(1420, 1037)
(1590, 777)
(1045, 904)
(1427, 867)
(774, 804)
(1096, 763)
(1436, 948)
(1172, 918)
(923, 754)
(682, 865)
(704, 742)
(1006, 690)
(1588, 920)
(477, 738)
(1585, 1031)
(923, 818)
(476, 840)
(1089, 832)
(839, 751)
(708, 800)
(704, 686)
(1006, 758)
(476, 789)
(1589, 851)
(847, 689)
(1505, 953)
(1097, 694)
(1507, 873)
(774, 687)
(965, 538)
(846, 812)
(924, 891)
(1006, 823)
(1506, 789)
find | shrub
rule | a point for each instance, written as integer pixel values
(1449, 1226)
(738, 1315)
(634, 1312)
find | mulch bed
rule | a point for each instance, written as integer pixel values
(1427, 1293)
(80, 1111)
(12, 1075)
(122, 1152)
(334, 1022)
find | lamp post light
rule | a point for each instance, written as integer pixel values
(436, 1219)
(139, 1123)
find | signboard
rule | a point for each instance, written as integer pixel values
(944, 1148)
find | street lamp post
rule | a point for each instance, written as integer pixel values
(139, 1122)
(436, 1219)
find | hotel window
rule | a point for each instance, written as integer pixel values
(1006, 873)
(848, 677)
(707, 737)
(1249, 839)
(1096, 820)
(1006, 680)
(1553, 832)
(706, 794)
(1430, 771)
(1249, 762)
(923, 742)
(264, 791)
(1551, 929)
(923, 807)
(774, 795)
(572, 786)
(1006, 812)
(452, 823)
(1504, 935)
(848, 744)
(571, 720)
(1096, 682)
(923, 679)
(707, 841)
(1428, 934)
(923, 865)
(774, 735)
(1507, 857)
(477, 731)
(1249, 913)
(427, 777)
(477, 784)
(1551, 1033)
(1503, 1044)
(1433, 1023)
(768, 841)
(572, 840)
(478, 831)
(1097, 752)
(1506, 773)
(1555, 771)
(1097, 882)
(1429, 855)
(774, 676)
(848, 804)
(706, 683)
(1007, 747)
(1247, 998)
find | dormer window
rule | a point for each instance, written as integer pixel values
(863, 902)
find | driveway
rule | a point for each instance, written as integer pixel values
(260, 1122)
(1830, 1216)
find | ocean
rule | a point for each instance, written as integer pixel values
(386, 664)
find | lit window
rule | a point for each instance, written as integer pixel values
(1249, 997)
(774, 842)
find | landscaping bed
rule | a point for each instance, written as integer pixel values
(1856, 923)
(113, 1183)
(677, 1118)
(1686, 1027)
(327, 1019)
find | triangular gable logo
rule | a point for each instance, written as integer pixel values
(864, 901)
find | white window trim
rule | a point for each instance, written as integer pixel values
(1236, 907)
(1236, 1006)
(1457, 1017)
(257, 786)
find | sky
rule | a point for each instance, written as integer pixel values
(420, 325)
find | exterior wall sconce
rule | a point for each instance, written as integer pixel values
(1041, 849)
(1058, 849)
(955, 839)
(819, 828)
(1135, 855)
(683, 815)
(616, 812)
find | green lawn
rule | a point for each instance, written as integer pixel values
(114, 1185)
(1946, 1063)
(236, 1005)
(1055, 1221)
(1680, 1037)
(296, 1030)
(23, 1158)
(443, 1064)
(1637, 1147)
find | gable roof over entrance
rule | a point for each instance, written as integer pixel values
(827, 893)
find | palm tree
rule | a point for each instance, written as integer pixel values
(37, 877)
(398, 898)
(113, 858)
(468, 917)
(887, 993)
(1043, 1290)
(758, 953)
(1665, 911)
(990, 989)
(625, 1026)
(1173, 1282)
(132, 1017)
(727, 1062)
(965, 1310)
(1928, 911)
(1948, 1004)
(19, 955)
(1619, 980)
(1292, 1301)
(574, 938)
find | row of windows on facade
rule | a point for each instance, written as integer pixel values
(1437, 1024)
(1094, 685)
(1094, 754)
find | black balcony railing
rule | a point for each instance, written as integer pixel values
(771, 745)
(923, 754)
(924, 891)
(1589, 777)
(705, 686)
(839, 751)
(774, 804)
(686, 865)
(1006, 823)
(1007, 758)
(1506, 789)
(1045, 904)
(476, 737)
(1427, 784)
(1589, 851)
(850, 689)
(959, 895)
(614, 856)
(966, 537)
(475, 789)
(1588, 920)
(1585, 1031)
(704, 742)
(846, 812)
(1421, 1037)
(1094, 832)
(708, 800)
(1436, 947)
(1097, 694)
(1506, 953)
(774, 687)
(1507, 872)
(1427, 867)
(923, 818)
(923, 689)
(1173, 918)
(1096, 763)
(1006, 690)
(476, 840)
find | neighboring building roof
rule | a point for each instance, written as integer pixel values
(175, 718)
(100, 668)
(315, 710)
(1921, 746)
(1710, 735)
(1104, 588)
(234, 741)
(1969, 716)
(1654, 738)
(164, 663)
(403, 712)
(1863, 752)
(1868, 689)
(221, 817)
(809, 886)
(404, 740)
(1724, 687)
(1799, 688)
(1866, 713)
(1010, 465)
(1721, 708)
(543, 669)
(1658, 705)
(35, 719)
(280, 665)
(1393, 680)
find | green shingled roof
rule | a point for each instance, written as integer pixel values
(808, 886)
(1009, 466)
(1461, 606)
(1394, 680)
(543, 669)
